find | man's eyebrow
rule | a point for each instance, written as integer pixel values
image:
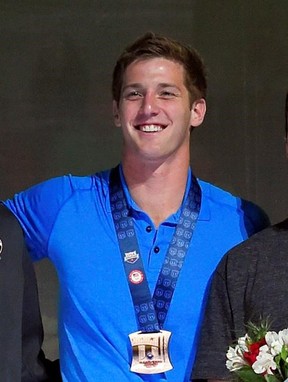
(162, 85)
(133, 85)
(168, 85)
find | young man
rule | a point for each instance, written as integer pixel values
(249, 285)
(123, 241)
(21, 331)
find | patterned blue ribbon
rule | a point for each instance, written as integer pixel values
(151, 312)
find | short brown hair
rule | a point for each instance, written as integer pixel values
(151, 45)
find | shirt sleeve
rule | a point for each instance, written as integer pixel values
(37, 208)
(216, 333)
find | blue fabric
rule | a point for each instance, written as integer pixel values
(68, 220)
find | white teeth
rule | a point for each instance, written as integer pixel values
(149, 128)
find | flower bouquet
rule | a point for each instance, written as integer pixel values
(261, 355)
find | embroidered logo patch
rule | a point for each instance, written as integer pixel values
(131, 257)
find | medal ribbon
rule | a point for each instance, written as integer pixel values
(151, 312)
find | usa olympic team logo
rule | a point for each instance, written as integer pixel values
(136, 276)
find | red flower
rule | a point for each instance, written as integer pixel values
(251, 354)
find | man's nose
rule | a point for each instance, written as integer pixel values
(149, 104)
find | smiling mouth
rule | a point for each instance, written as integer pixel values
(150, 128)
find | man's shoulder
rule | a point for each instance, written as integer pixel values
(68, 183)
(221, 196)
(218, 194)
(253, 216)
(261, 242)
(98, 180)
(280, 227)
(267, 235)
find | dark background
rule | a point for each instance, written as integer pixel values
(56, 60)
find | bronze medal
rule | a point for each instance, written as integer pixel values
(150, 352)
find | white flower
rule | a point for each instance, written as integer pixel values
(242, 342)
(276, 348)
(283, 336)
(264, 361)
(274, 342)
(235, 359)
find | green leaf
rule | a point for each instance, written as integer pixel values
(257, 331)
(285, 370)
(284, 353)
(272, 378)
(246, 374)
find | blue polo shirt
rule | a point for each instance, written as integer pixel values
(68, 219)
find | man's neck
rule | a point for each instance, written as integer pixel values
(157, 189)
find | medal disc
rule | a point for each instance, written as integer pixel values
(150, 352)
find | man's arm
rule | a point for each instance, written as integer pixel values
(11, 293)
(21, 330)
(216, 331)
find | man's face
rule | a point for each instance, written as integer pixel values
(154, 110)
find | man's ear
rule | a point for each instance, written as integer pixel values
(198, 112)
(116, 115)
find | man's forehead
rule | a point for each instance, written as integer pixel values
(153, 67)
(147, 60)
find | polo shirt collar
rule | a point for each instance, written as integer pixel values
(172, 219)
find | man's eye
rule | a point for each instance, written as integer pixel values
(168, 94)
(133, 95)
